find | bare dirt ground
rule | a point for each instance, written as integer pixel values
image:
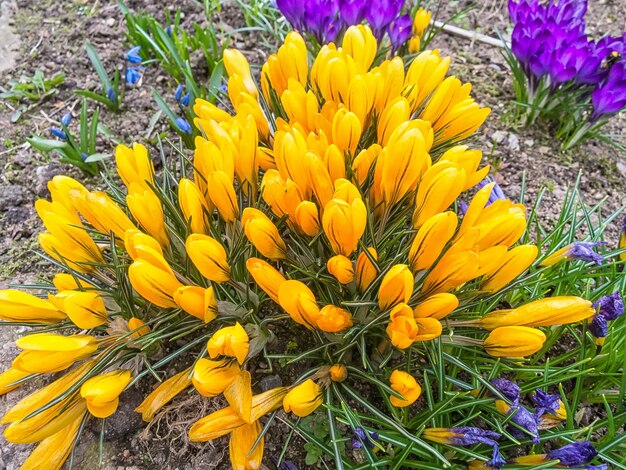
(49, 35)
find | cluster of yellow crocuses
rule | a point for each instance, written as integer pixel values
(332, 190)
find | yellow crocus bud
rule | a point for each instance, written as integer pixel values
(401, 163)
(64, 189)
(134, 165)
(341, 269)
(301, 106)
(414, 44)
(514, 341)
(362, 96)
(237, 65)
(344, 223)
(335, 162)
(21, 307)
(320, 178)
(223, 195)
(430, 240)
(338, 373)
(208, 111)
(359, 43)
(421, 20)
(622, 240)
(331, 73)
(402, 329)
(104, 214)
(429, 328)
(437, 306)
(299, 302)
(469, 161)
(406, 385)
(332, 319)
(211, 378)
(69, 244)
(425, 74)
(440, 186)
(193, 205)
(266, 276)
(395, 113)
(303, 399)
(396, 287)
(153, 278)
(290, 63)
(265, 158)
(138, 327)
(66, 281)
(197, 301)
(346, 130)
(224, 421)
(245, 447)
(163, 394)
(290, 148)
(231, 341)
(209, 256)
(282, 195)
(263, 234)
(363, 162)
(52, 420)
(543, 312)
(307, 218)
(135, 238)
(102, 392)
(8, 377)
(85, 309)
(56, 209)
(54, 449)
(514, 263)
(452, 270)
(49, 352)
(366, 272)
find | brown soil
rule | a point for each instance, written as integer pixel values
(52, 36)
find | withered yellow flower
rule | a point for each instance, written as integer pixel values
(231, 341)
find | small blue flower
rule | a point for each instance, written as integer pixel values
(83, 156)
(111, 95)
(132, 55)
(183, 125)
(168, 30)
(610, 306)
(58, 133)
(496, 191)
(575, 454)
(184, 101)
(66, 119)
(584, 251)
(179, 93)
(508, 389)
(223, 88)
(361, 438)
(132, 75)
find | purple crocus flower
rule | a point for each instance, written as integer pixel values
(497, 460)
(525, 419)
(545, 402)
(575, 454)
(584, 251)
(599, 326)
(352, 12)
(467, 436)
(510, 390)
(380, 14)
(361, 438)
(400, 31)
(610, 96)
(610, 306)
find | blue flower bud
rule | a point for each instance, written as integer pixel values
(84, 156)
(610, 306)
(111, 95)
(584, 251)
(132, 55)
(66, 119)
(183, 125)
(58, 133)
(168, 30)
(179, 93)
(184, 101)
(132, 76)
(508, 389)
